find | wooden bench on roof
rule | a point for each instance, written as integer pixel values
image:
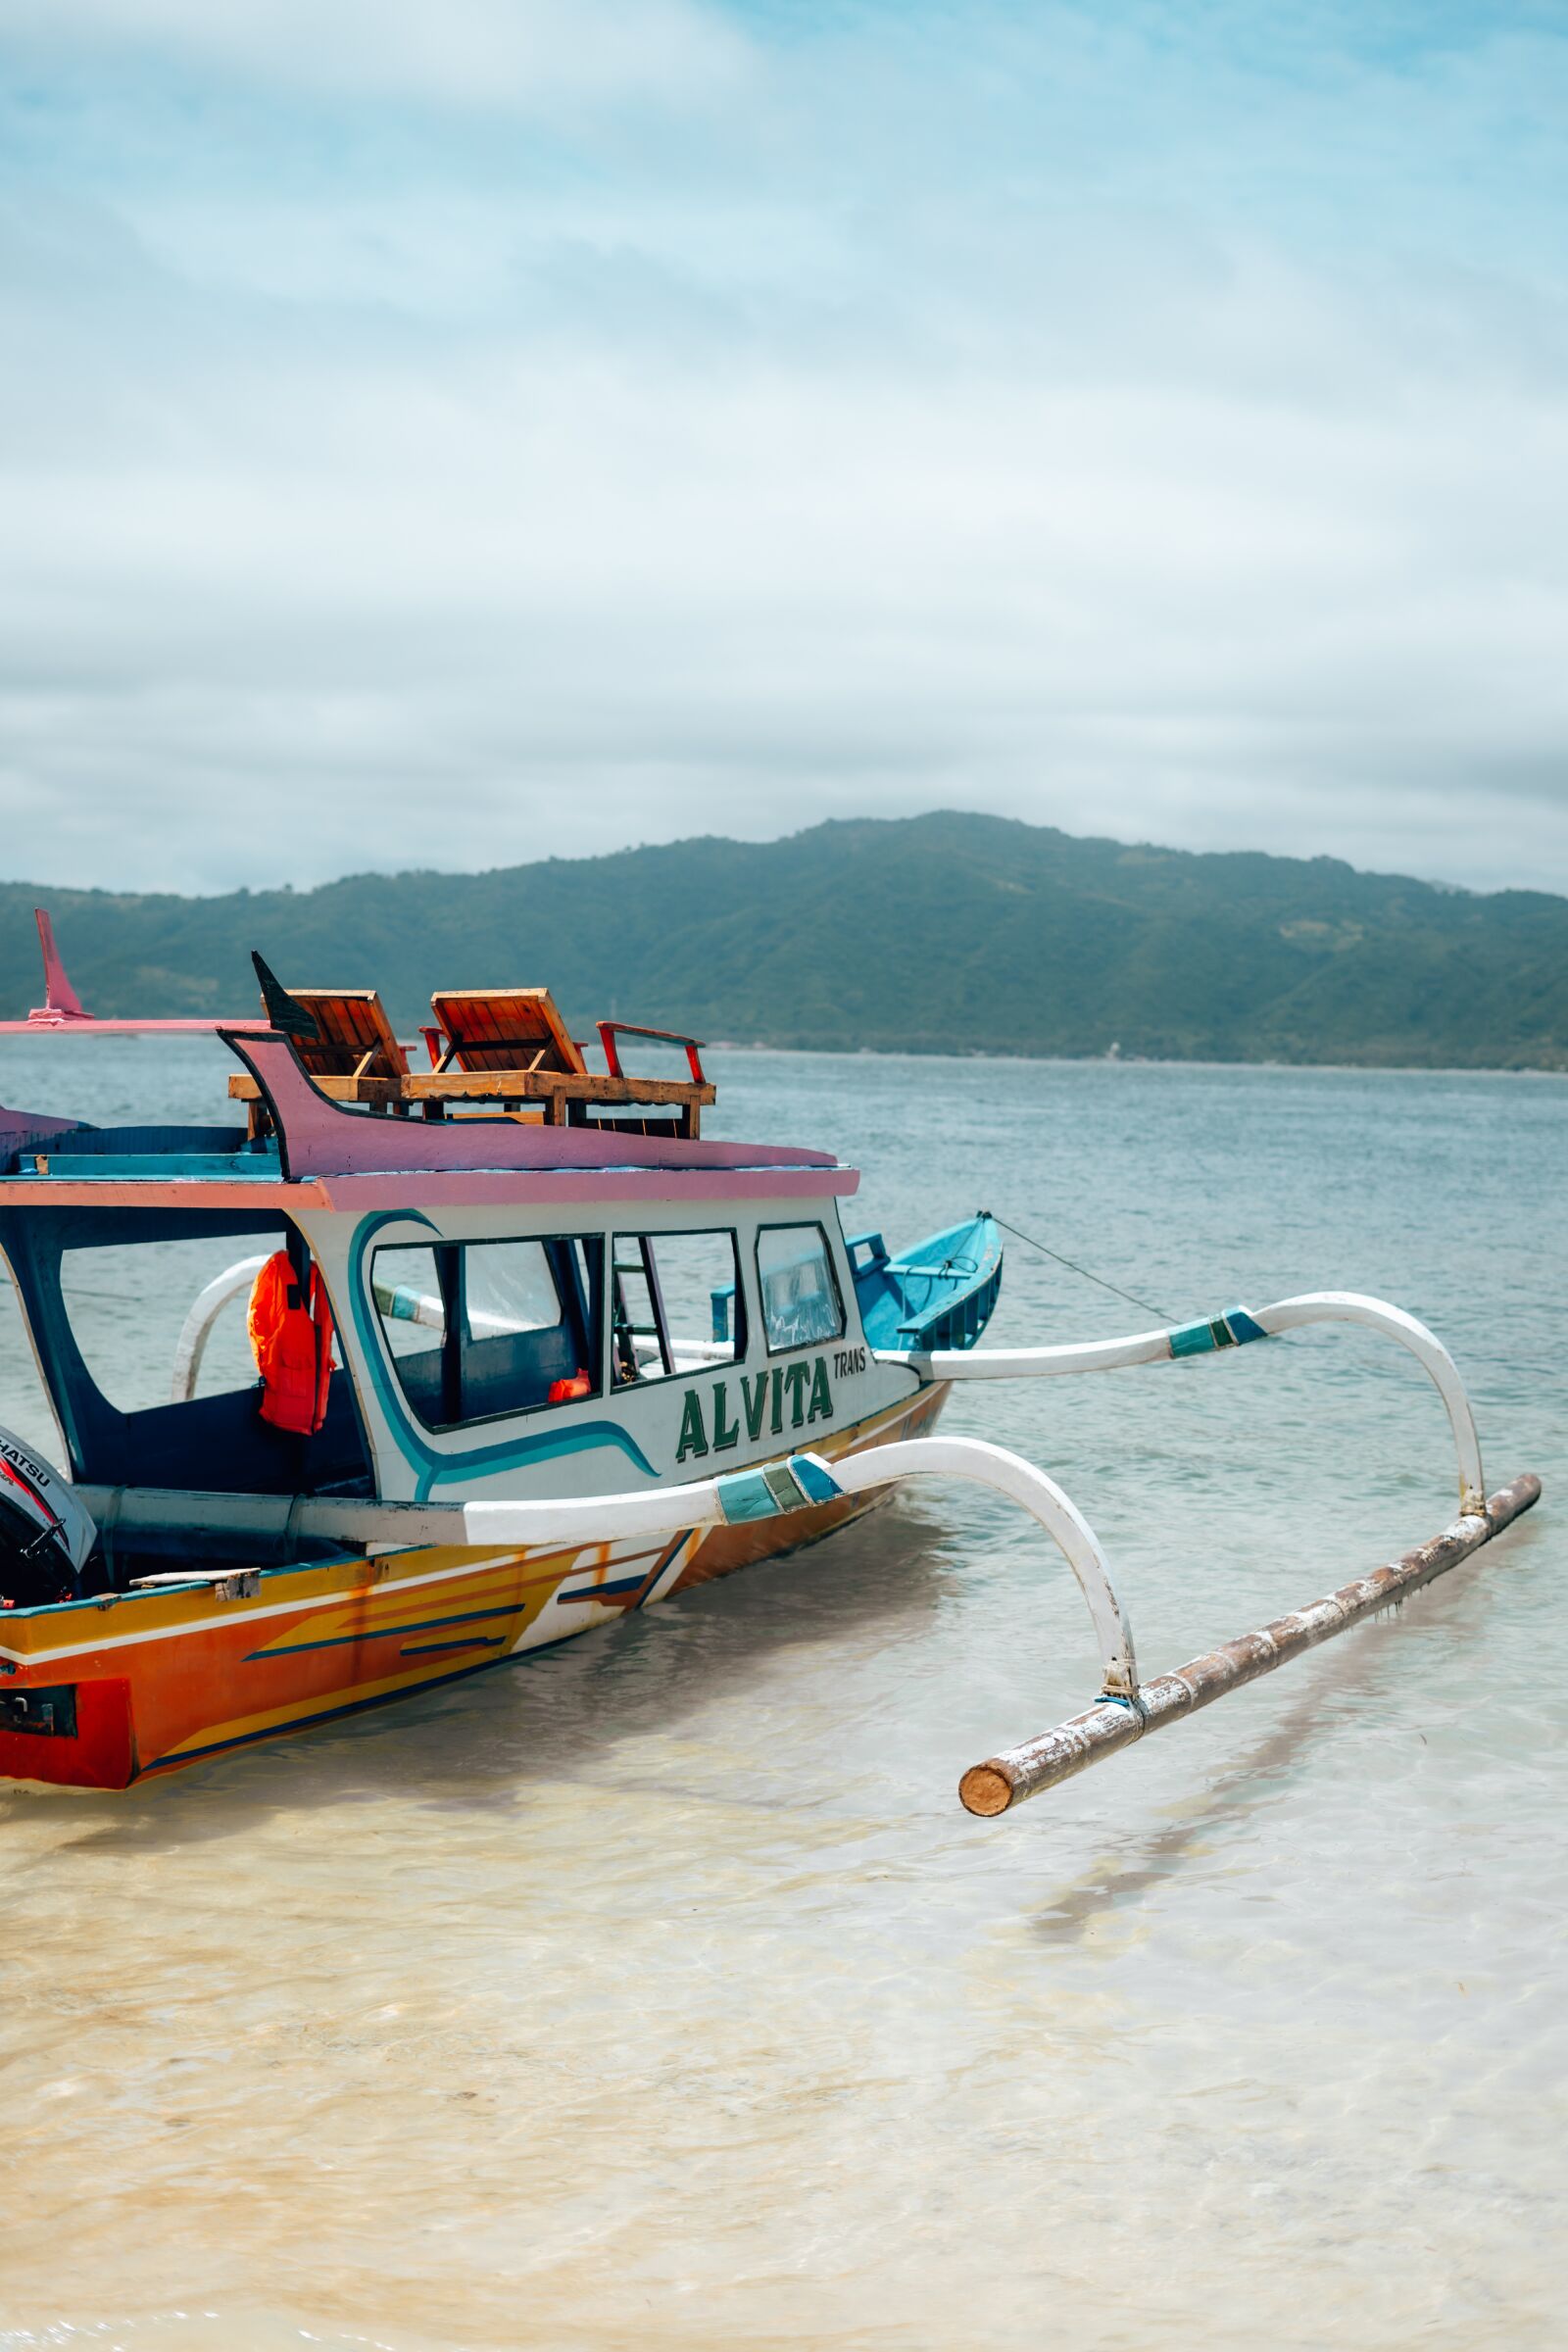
(511, 1046)
(508, 1049)
(354, 1055)
(353, 1037)
(496, 1029)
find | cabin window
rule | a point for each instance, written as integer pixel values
(480, 1330)
(801, 1303)
(409, 1299)
(155, 1320)
(141, 1315)
(677, 1305)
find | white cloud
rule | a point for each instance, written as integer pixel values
(475, 519)
(468, 53)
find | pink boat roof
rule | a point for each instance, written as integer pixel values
(361, 1158)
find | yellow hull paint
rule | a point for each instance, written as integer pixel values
(163, 1677)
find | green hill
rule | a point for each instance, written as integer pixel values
(933, 934)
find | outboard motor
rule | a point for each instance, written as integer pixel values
(45, 1533)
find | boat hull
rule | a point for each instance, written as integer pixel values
(100, 1695)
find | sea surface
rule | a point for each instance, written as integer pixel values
(658, 1993)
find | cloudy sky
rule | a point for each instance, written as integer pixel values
(449, 432)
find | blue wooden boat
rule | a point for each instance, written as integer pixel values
(941, 1294)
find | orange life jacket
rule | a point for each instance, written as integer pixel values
(291, 1340)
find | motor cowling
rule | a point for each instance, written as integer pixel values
(46, 1533)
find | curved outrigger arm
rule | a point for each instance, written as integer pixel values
(732, 1499)
(1233, 1328)
(1040, 1497)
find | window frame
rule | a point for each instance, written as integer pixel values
(448, 1254)
(797, 1225)
(742, 1321)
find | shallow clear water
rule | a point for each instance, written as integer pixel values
(658, 1993)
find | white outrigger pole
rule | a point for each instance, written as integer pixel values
(1126, 1709)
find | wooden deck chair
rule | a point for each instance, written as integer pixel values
(356, 1039)
(504, 1029)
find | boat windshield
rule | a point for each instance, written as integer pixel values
(801, 1303)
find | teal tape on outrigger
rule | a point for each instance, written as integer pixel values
(1233, 1328)
(776, 1488)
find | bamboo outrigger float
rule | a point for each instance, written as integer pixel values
(485, 1420)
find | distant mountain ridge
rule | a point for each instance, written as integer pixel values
(947, 933)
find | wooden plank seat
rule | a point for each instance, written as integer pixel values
(565, 1096)
(568, 1096)
(378, 1090)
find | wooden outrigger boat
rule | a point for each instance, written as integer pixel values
(534, 1355)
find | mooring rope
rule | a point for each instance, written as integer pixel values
(1073, 1268)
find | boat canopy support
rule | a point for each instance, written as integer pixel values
(1238, 1326)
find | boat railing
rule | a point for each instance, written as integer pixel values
(552, 1098)
(611, 1032)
